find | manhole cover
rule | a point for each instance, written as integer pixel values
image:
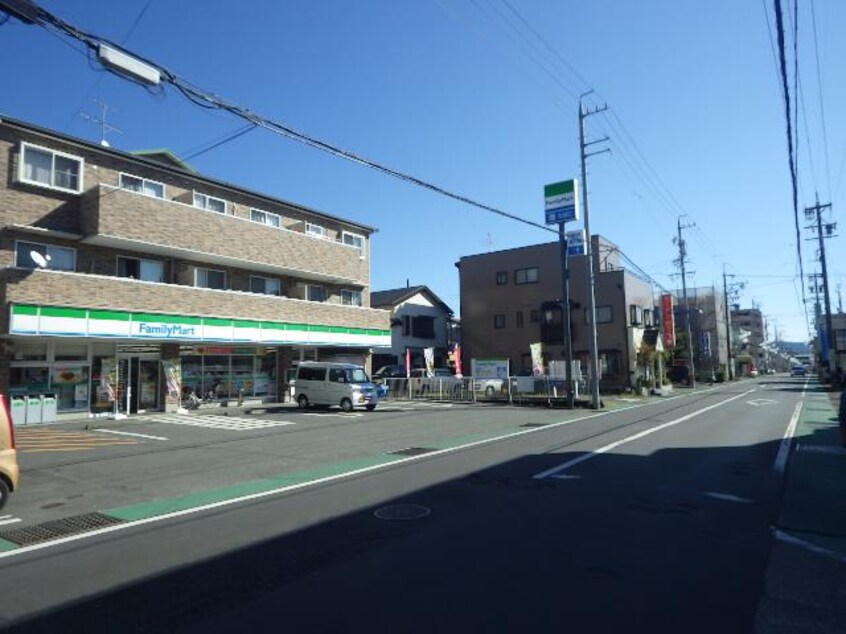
(402, 512)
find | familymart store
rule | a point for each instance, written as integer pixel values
(104, 362)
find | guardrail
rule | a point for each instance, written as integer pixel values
(515, 389)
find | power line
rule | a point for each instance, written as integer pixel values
(820, 94)
(216, 143)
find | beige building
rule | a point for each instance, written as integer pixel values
(512, 298)
(129, 279)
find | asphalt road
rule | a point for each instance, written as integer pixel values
(651, 518)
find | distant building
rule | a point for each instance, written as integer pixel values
(513, 298)
(708, 329)
(749, 351)
(419, 319)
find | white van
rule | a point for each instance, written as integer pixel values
(343, 384)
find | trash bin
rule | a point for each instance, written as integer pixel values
(48, 408)
(33, 409)
(18, 406)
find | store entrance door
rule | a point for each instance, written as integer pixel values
(138, 384)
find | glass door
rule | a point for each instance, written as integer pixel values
(138, 384)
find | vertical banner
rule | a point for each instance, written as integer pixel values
(668, 323)
(537, 358)
(408, 363)
(108, 380)
(456, 351)
(173, 376)
(429, 357)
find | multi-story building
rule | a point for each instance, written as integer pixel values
(129, 279)
(750, 352)
(708, 329)
(419, 320)
(513, 298)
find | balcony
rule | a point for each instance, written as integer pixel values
(80, 290)
(122, 219)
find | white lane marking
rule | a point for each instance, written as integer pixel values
(302, 485)
(596, 452)
(10, 520)
(784, 448)
(344, 415)
(728, 497)
(567, 477)
(801, 543)
(762, 401)
(128, 433)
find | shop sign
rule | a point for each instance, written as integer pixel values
(561, 202)
(165, 331)
(489, 368)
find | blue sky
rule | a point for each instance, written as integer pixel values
(461, 93)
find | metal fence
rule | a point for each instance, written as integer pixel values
(516, 389)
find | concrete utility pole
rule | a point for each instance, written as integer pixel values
(594, 351)
(682, 262)
(726, 289)
(565, 311)
(817, 210)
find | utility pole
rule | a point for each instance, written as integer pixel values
(594, 351)
(682, 261)
(810, 212)
(729, 292)
(565, 312)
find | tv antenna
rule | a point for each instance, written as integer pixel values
(105, 128)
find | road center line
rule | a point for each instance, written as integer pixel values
(784, 448)
(596, 452)
(128, 433)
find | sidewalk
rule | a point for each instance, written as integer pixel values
(806, 580)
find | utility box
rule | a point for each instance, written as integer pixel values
(33, 410)
(18, 406)
(48, 408)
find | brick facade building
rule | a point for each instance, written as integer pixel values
(120, 270)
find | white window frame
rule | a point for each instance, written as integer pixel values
(46, 250)
(54, 153)
(267, 214)
(144, 182)
(525, 272)
(308, 287)
(271, 279)
(348, 292)
(207, 198)
(139, 260)
(197, 269)
(317, 231)
(360, 249)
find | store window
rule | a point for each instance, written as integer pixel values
(69, 382)
(29, 380)
(222, 372)
(71, 352)
(30, 351)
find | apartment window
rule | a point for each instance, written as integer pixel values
(32, 255)
(209, 278)
(526, 276)
(351, 298)
(499, 321)
(314, 293)
(141, 185)
(519, 319)
(406, 325)
(534, 316)
(210, 203)
(265, 218)
(41, 166)
(265, 285)
(604, 315)
(501, 278)
(635, 315)
(648, 320)
(147, 270)
(354, 240)
(315, 230)
(610, 363)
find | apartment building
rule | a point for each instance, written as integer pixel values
(127, 280)
(513, 298)
(708, 329)
(750, 352)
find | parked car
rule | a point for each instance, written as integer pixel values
(442, 382)
(389, 372)
(342, 384)
(490, 387)
(797, 370)
(8, 455)
(753, 373)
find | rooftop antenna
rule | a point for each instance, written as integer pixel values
(105, 128)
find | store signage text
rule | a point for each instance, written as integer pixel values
(167, 330)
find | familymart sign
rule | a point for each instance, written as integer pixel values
(561, 201)
(53, 321)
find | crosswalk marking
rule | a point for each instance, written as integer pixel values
(45, 440)
(8, 519)
(214, 421)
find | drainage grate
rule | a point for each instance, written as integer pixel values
(412, 451)
(55, 529)
(534, 425)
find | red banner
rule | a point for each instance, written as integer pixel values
(668, 323)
